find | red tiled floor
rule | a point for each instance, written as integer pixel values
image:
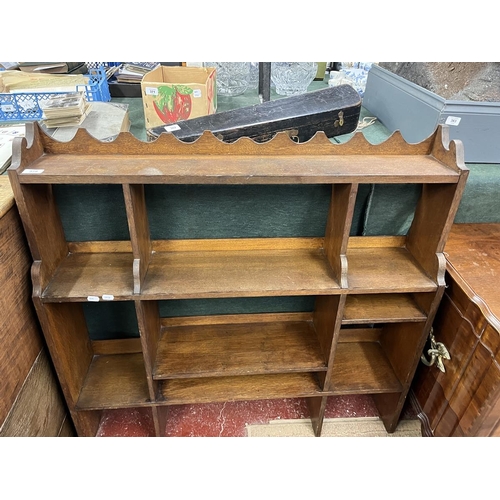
(127, 422)
(227, 419)
(231, 418)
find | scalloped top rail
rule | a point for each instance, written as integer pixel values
(166, 144)
(42, 159)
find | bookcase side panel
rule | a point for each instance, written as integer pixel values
(43, 228)
(434, 216)
(65, 330)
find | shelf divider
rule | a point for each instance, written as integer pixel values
(338, 227)
(138, 223)
(148, 320)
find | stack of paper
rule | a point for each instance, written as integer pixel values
(65, 110)
(133, 72)
(104, 122)
(22, 81)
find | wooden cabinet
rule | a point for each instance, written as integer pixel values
(465, 399)
(372, 299)
(31, 402)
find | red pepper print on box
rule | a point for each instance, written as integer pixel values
(173, 103)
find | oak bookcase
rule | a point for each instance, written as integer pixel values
(374, 297)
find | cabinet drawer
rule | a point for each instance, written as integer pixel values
(463, 400)
(433, 388)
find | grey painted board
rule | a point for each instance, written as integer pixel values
(478, 128)
(402, 105)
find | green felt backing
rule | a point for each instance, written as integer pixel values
(111, 320)
(97, 212)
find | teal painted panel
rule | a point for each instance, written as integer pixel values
(390, 209)
(97, 212)
(202, 307)
(195, 211)
(111, 320)
(93, 212)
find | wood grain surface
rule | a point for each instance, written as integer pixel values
(205, 390)
(238, 349)
(473, 252)
(20, 335)
(40, 409)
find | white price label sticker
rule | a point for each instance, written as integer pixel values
(196, 92)
(33, 171)
(108, 297)
(8, 108)
(171, 128)
(453, 120)
(93, 298)
(151, 91)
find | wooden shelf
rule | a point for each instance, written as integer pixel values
(115, 381)
(362, 368)
(81, 275)
(238, 349)
(385, 269)
(381, 308)
(118, 380)
(212, 274)
(236, 273)
(244, 388)
(236, 169)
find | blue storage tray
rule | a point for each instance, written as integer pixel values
(25, 106)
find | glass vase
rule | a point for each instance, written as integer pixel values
(292, 78)
(233, 78)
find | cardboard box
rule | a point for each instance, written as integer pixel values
(170, 94)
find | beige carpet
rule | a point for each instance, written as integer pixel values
(335, 427)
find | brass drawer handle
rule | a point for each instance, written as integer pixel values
(437, 352)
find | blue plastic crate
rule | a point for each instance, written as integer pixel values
(102, 64)
(25, 106)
